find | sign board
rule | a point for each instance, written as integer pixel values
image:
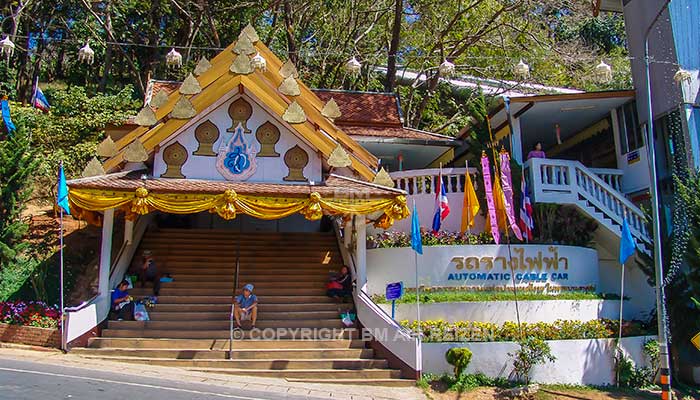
(394, 291)
(632, 157)
(696, 341)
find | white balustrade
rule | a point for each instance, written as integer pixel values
(611, 176)
(422, 181)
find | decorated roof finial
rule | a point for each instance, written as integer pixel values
(383, 178)
(241, 65)
(183, 109)
(190, 85)
(203, 65)
(135, 152)
(258, 62)
(251, 33)
(294, 114)
(93, 168)
(331, 110)
(244, 46)
(290, 87)
(107, 148)
(146, 117)
(159, 99)
(339, 158)
(288, 69)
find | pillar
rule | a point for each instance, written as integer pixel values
(347, 234)
(517, 141)
(361, 252)
(128, 231)
(106, 252)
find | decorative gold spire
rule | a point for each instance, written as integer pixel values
(383, 178)
(190, 85)
(244, 46)
(288, 69)
(339, 158)
(183, 109)
(241, 65)
(250, 32)
(146, 117)
(203, 66)
(107, 148)
(294, 114)
(331, 110)
(93, 168)
(135, 152)
(159, 99)
(290, 87)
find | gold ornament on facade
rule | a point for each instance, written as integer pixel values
(268, 135)
(183, 109)
(294, 114)
(383, 178)
(296, 160)
(135, 152)
(331, 110)
(241, 65)
(206, 134)
(93, 168)
(107, 148)
(227, 208)
(140, 203)
(251, 33)
(160, 99)
(240, 112)
(290, 87)
(289, 70)
(190, 85)
(174, 156)
(384, 222)
(339, 158)
(244, 46)
(313, 210)
(203, 65)
(146, 117)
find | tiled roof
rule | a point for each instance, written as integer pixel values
(394, 133)
(169, 86)
(334, 187)
(363, 108)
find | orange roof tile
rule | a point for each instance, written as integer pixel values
(364, 108)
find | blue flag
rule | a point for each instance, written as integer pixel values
(62, 197)
(6, 116)
(416, 242)
(627, 245)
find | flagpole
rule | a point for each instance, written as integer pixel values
(63, 319)
(469, 206)
(415, 255)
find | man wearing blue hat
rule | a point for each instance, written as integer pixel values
(246, 307)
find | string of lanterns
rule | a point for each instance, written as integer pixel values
(602, 72)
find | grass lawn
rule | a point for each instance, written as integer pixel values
(450, 296)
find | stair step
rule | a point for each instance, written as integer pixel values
(197, 276)
(177, 284)
(222, 344)
(229, 299)
(268, 307)
(276, 364)
(263, 315)
(224, 324)
(366, 381)
(330, 374)
(238, 354)
(167, 291)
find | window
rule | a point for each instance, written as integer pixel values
(630, 132)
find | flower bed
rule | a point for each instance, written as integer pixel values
(471, 331)
(29, 313)
(390, 239)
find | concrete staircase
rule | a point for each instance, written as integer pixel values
(299, 334)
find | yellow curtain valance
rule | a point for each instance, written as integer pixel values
(229, 203)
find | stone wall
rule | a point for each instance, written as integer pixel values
(30, 335)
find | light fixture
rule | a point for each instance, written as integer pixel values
(86, 54)
(446, 68)
(258, 62)
(521, 69)
(603, 72)
(682, 75)
(353, 66)
(6, 46)
(173, 59)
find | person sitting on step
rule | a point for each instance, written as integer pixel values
(148, 272)
(122, 305)
(340, 286)
(246, 306)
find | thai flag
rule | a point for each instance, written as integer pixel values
(442, 206)
(527, 224)
(39, 100)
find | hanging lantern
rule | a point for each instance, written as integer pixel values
(173, 59)
(682, 75)
(353, 66)
(6, 46)
(603, 72)
(86, 54)
(446, 68)
(521, 70)
(258, 62)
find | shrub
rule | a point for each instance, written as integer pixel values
(533, 351)
(459, 358)
(31, 313)
(389, 239)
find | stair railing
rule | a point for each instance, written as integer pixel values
(233, 300)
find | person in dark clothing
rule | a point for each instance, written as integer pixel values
(340, 286)
(122, 305)
(148, 272)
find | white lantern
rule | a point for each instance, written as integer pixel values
(353, 66)
(603, 72)
(173, 59)
(6, 46)
(446, 68)
(258, 62)
(682, 76)
(521, 70)
(86, 54)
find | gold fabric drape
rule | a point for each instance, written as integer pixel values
(229, 203)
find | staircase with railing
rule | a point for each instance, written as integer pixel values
(595, 192)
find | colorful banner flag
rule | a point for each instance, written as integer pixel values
(442, 206)
(507, 186)
(527, 224)
(470, 205)
(39, 100)
(627, 245)
(6, 119)
(416, 241)
(486, 172)
(62, 195)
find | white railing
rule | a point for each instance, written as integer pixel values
(422, 181)
(569, 182)
(611, 176)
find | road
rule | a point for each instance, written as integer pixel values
(30, 380)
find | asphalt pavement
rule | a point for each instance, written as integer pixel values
(30, 380)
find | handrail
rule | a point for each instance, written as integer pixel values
(430, 171)
(233, 299)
